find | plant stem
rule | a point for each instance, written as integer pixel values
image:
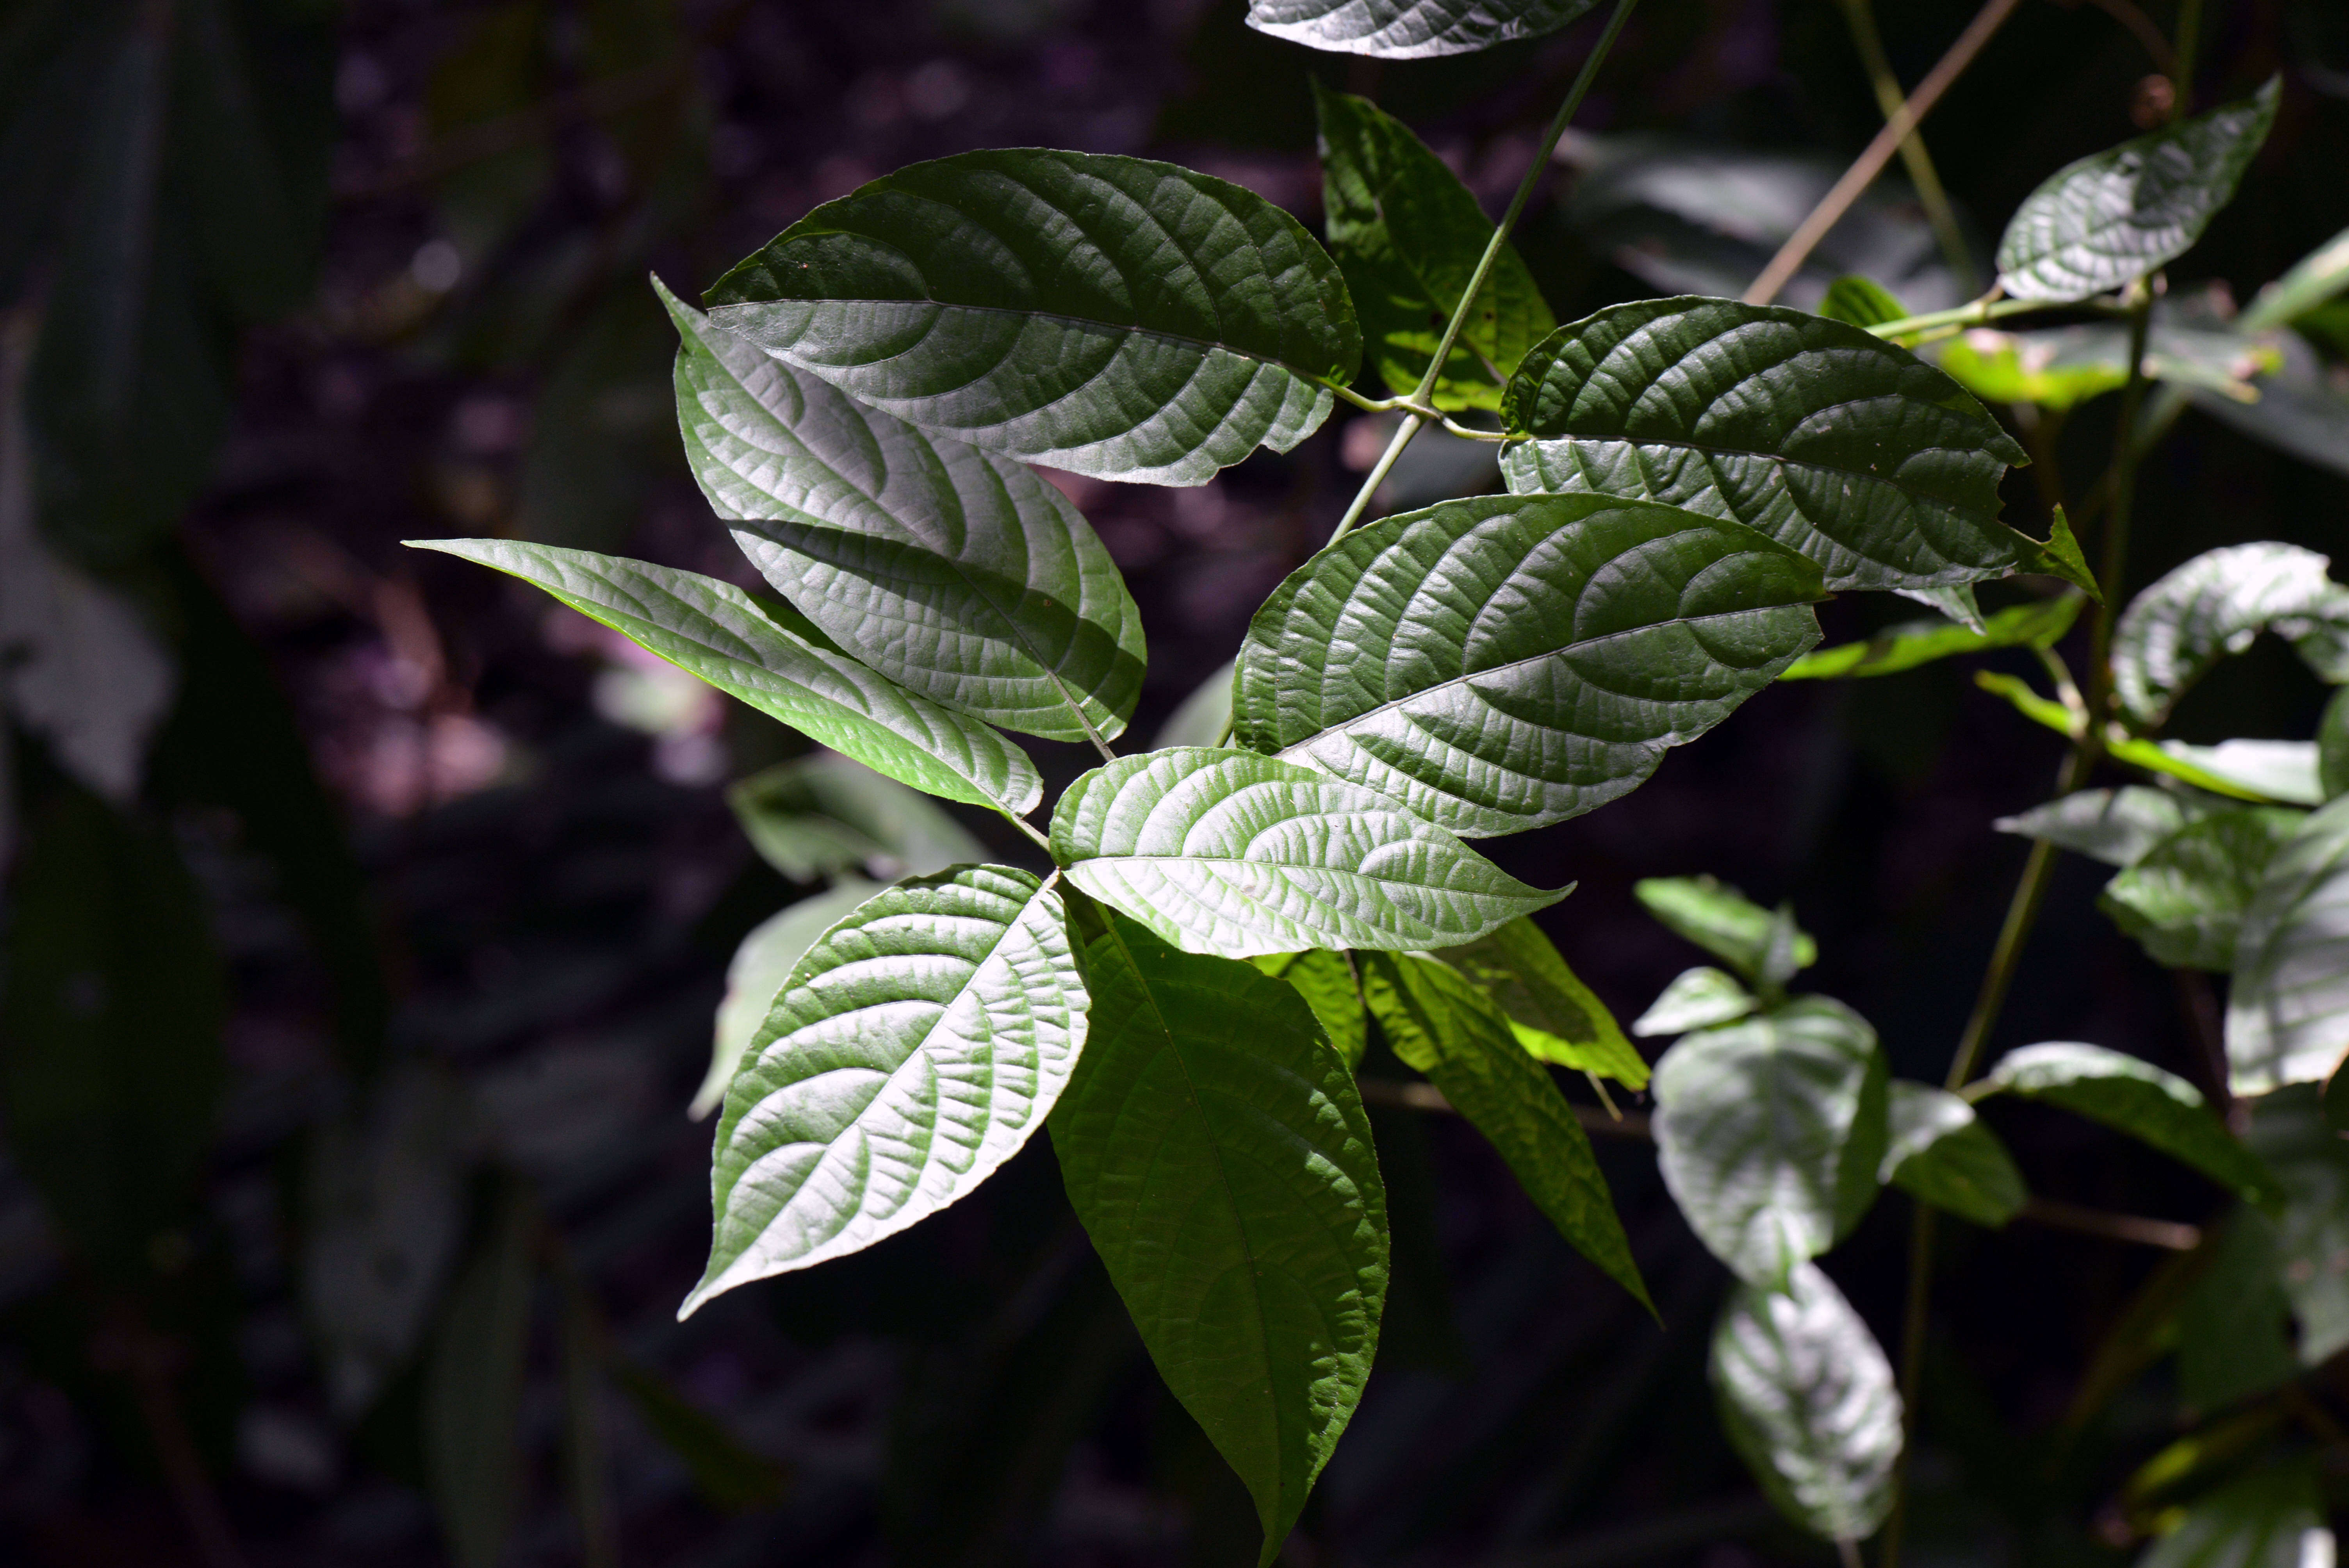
(1870, 163)
(1861, 19)
(1039, 839)
(2121, 487)
(1413, 423)
(2181, 69)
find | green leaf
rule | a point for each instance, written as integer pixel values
(474, 1389)
(715, 630)
(1110, 314)
(2184, 900)
(2332, 747)
(1769, 1132)
(2288, 1010)
(961, 575)
(1408, 236)
(2060, 557)
(912, 1051)
(2118, 827)
(1807, 1399)
(1696, 999)
(2114, 217)
(1507, 662)
(821, 816)
(1553, 1014)
(2284, 771)
(2131, 1095)
(728, 1474)
(2039, 624)
(2271, 1517)
(2213, 606)
(2060, 368)
(1940, 1154)
(1229, 852)
(760, 964)
(1832, 441)
(2310, 1162)
(1409, 29)
(2315, 278)
(1216, 1151)
(1862, 302)
(1327, 982)
(2231, 1324)
(1441, 1024)
(1204, 717)
(1720, 920)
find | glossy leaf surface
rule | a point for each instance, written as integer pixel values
(1442, 1024)
(1696, 999)
(2213, 606)
(911, 1052)
(1113, 315)
(957, 574)
(1720, 920)
(1229, 852)
(2131, 1095)
(2185, 900)
(1507, 662)
(2115, 216)
(823, 815)
(2288, 1011)
(2038, 625)
(717, 632)
(761, 963)
(1214, 1147)
(1553, 1014)
(1327, 982)
(1408, 235)
(2118, 827)
(1830, 440)
(1862, 302)
(1770, 1131)
(1940, 1154)
(1808, 1399)
(1409, 29)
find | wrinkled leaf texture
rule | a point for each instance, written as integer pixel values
(2288, 1012)
(2185, 899)
(761, 963)
(1554, 1015)
(1507, 662)
(2215, 605)
(1327, 982)
(1832, 441)
(1113, 315)
(1409, 29)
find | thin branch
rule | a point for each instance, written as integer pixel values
(2056, 1214)
(1377, 476)
(1858, 16)
(1426, 1097)
(1870, 163)
(1039, 839)
(2181, 69)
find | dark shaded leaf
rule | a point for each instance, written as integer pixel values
(2289, 1134)
(1940, 1154)
(728, 1474)
(474, 1385)
(1327, 982)
(2133, 1096)
(821, 816)
(1553, 1014)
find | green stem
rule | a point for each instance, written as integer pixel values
(1973, 312)
(1413, 422)
(1861, 19)
(1039, 839)
(2121, 487)
(2181, 70)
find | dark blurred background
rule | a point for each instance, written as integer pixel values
(367, 913)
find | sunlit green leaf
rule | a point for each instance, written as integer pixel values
(2131, 1095)
(1229, 852)
(1862, 302)
(1408, 236)
(2118, 827)
(1441, 1024)
(2058, 368)
(1110, 314)
(714, 630)
(2041, 624)
(823, 815)
(912, 1051)
(1327, 982)
(2284, 771)
(1940, 1154)
(1807, 1397)
(1214, 1147)
(1696, 999)
(1720, 920)
(2271, 1517)
(1834, 442)
(1409, 29)
(959, 574)
(2184, 899)
(760, 964)
(1770, 1131)
(2115, 216)
(2059, 557)
(2288, 1011)
(1553, 1014)
(1507, 662)
(2215, 605)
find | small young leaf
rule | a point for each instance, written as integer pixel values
(959, 574)
(1696, 999)
(1233, 854)
(912, 1051)
(2288, 1011)
(1808, 1399)
(1408, 236)
(1204, 716)
(2118, 827)
(2133, 1096)
(2271, 1517)
(1327, 982)
(1113, 315)
(2310, 1162)
(2060, 557)
(1834, 442)
(2184, 900)
(1940, 1154)
(1553, 1014)
(822, 816)
(1441, 1024)
(1216, 1151)
(1409, 29)
(756, 974)
(2041, 624)
(714, 630)
(2213, 606)
(474, 1389)
(2115, 216)
(1507, 662)
(1862, 302)
(1720, 920)
(1769, 1132)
